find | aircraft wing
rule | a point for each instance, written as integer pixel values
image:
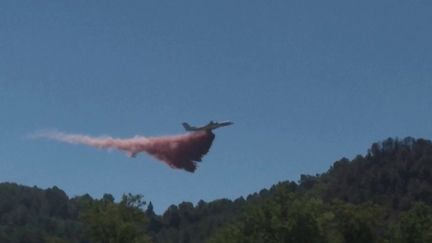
(210, 126)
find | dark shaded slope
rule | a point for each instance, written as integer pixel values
(395, 173)
(30, 214)
(388, 188)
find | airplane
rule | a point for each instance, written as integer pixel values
(210, 126)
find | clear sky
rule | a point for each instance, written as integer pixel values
(306, 83)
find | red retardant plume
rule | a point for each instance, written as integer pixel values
(180, 151)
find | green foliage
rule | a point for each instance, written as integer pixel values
(186, 223)
(108, 222)
(394, 173)
(34, 215)
(415, 226)
(370, 194)
(384, 196)
(358, 223)
(295, 218)
(286, 217)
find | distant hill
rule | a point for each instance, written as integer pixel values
(395, 173)
(383, 196)
(30, 214)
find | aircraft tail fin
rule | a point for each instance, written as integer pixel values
(187, 127)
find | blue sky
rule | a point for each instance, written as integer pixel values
(306, 83)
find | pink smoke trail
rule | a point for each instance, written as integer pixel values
(179, 151)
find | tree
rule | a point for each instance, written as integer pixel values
(416, 225)
(287, 217)
(108, 222)
(357, 223)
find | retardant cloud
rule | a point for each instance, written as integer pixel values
(178, 151)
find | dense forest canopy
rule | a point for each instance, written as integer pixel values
(383, 196)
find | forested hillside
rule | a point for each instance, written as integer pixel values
(383, 196)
